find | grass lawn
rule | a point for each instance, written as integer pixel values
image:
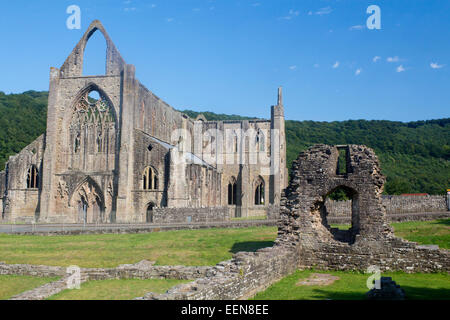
(423, 232)
(116, 289)
(186, 247)
(13, 285)
(352, 286)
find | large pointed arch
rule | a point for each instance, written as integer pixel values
(73, 66)
(96, 119)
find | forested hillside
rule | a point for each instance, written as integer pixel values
(23, 118)
(414, 156)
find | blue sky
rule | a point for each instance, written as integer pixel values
(230, 56)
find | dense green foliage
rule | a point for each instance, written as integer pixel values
(414, 156)
(23, 118)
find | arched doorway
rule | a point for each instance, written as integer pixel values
(342, 202)
(149, 216)
(88, 199)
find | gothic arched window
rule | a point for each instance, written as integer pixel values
(32, 178)
(261, 141)
(93, 126)
(150, 179)
(259, 191)
(232, 192)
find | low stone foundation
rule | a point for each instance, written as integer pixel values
(240, 278)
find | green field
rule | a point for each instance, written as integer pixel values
(187, 247)
(199, 247)
(424, 232)
(117, 289)
(13, 285)
(352, 286)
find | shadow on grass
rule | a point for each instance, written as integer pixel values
(445, 222)
(250, 246)
(415, 293)
(412, 293)
(327, 295)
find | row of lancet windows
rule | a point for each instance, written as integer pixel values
(150, 179)
(259, 192)
(33, 178)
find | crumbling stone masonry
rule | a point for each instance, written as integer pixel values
(370, 240)
(305, 239)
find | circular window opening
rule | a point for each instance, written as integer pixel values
(94, 96)
(340, 214)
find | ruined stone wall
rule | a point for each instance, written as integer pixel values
(21, 201)
(2, 192)
(149, 153)
(370, 240)
(240, 278)
(188, 215)
(203, 186)
(158, 119)
(246, 158)
(406, 204)
(394, 205)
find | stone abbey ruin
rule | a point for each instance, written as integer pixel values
(112, 159)
(115, 152)
(305, 240)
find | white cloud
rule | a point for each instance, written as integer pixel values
(435, 65)
(292, 14)
(293, 67)
(323, 11)
(336, 65)
(376, 58)
(400, 68)
(357, 27)
(129, 9)
(170, 19)
(256, 4)
(393, 59)
(358, 72)
(316, 65)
